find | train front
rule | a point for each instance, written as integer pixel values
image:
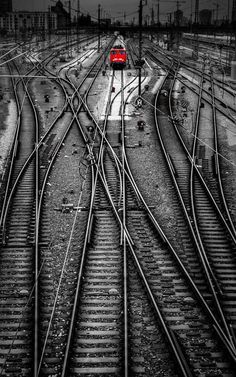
(118, 55)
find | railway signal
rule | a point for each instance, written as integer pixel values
(139, 102)
(141, 124)
(139, 63)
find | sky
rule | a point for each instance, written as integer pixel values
(117, 8)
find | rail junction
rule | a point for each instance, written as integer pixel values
(117, 222)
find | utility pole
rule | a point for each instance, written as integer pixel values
(15, 30)
(191, 17)
(78, 20)
(196, 19)
(234, 24)
(152, 16)
(67, 28)
(99, 25)
(170, 37)
(49, 25)
(228, 13)
(158, 12)
(140, 61)
(178, 22)
(234, 12)
(140, 45)
(217, 9)
(69, 39)
(170, 17)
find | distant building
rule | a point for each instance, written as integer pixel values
(63, 17)
(234, 12)
(84, 20)
(28, 21)
(106, 21)
(205, 16)
(56, 18)
(5, 6)
(178, 17)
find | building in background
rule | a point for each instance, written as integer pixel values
(63, 17)
(14, 22)
(38, 21)
(205, 17)
(5, 6)
(178, 17)
(234, 12)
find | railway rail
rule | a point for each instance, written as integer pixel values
(182, 168)
(155, 308)
(23, 240)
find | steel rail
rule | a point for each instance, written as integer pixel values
(197, 241)
(88, 227)
(6, 204)
(124, 209)
(205, 306)
(231, 232)
(192, 284)
(184, 64)
(216, 160)
(39, 143)
(190, 88)
(36, 189)
(123, 241)
(185, 370)
(108, 109)
(34, 154)
(226, 341)
(193, 208)
(86, 240)
(175, 347)
(70, 102)
(100, 175)
(13, 148)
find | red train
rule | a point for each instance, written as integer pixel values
(118, 57)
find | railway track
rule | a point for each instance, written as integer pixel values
(224, 107)
(19, 227)
(125, 365)
(197, 316)
(17, 252)
(181, 171)
(75, 105)
(219, 116)
(124, 302)
(146, 245)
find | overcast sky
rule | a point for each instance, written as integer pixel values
(116, 8)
